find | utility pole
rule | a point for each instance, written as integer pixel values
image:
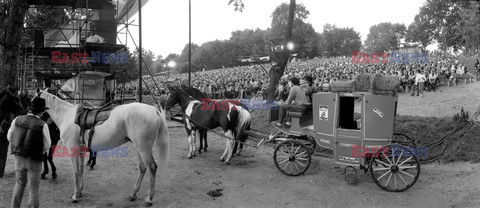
(189, 42)
(140, 58)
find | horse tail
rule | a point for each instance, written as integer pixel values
(162, 141)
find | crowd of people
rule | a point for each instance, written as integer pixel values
(252, 81)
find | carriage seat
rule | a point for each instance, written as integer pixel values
(299, 115)
(299, 111)
(88, 115)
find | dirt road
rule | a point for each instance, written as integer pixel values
(253, 181)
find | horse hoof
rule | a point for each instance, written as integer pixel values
(189, 157)
(131, 198)
(227, 163)
(147, 204)
(54, 176)
(43, 177)
(75, 199)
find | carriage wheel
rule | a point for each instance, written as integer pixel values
(403, 139)
(292, 157)
(394, 168)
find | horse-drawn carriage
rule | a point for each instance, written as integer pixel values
(359, 128)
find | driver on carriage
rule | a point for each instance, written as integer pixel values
(298, 97)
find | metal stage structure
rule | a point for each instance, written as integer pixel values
(93, 41)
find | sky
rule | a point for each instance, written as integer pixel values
(165, 22)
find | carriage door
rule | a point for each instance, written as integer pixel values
(324, 108)
(379, 120)
(348, 138)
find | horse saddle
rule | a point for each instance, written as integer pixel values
(88, 115)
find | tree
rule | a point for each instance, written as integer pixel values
(340, 41)
(451, 23)
(416, 32)
(12, 14)
(148, 57)
(469, 26)
(385, 37)
(277, 70)
(11, 24)
(304, 36)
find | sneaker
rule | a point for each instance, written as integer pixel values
(421, 96)
(288, 123)
(279, 125)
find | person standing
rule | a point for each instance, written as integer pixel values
(415, 83)
(420, 80)
(163, 98)
(30, 139)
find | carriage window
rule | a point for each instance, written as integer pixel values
(350, 113)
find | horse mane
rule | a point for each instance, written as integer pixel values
(193, 91)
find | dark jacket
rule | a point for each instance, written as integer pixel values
(27, 140)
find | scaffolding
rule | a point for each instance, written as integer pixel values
(86, 43)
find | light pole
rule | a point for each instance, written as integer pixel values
(189, 42)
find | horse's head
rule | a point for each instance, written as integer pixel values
(45, 95)
(173, 97)
(10, 103)
(24, 100)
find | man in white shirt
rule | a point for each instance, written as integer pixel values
(30, 139)
(420, 82)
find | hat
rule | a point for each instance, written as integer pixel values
(38, 104)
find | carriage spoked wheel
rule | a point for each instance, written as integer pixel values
(292, 157)
(403, 139)
(394, 168)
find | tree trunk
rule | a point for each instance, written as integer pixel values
(276, 71)
(10, 42)
(12, 26)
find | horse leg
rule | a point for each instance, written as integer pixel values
(54, 169)
(80, 166)
(230, 144)
(152, 169)
(76, 179)
(194, 142)
(225, 157)
(93, 160)
(201, 141)
(45, 166)
(205, 140)
(136, 187)
(190, 144)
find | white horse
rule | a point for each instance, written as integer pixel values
(136, 122)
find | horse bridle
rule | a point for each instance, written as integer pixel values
(189, 96)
